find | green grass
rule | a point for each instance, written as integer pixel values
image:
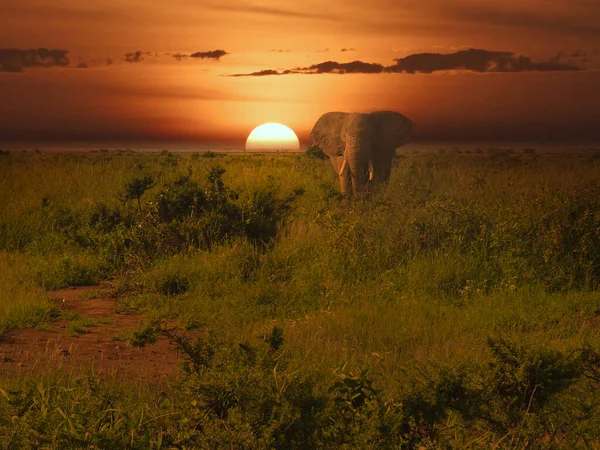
(22, 302)
(78, 324)
(457, 306)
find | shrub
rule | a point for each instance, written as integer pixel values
(183, 215)
(180, 199)
(522, 381)
(264, 210)
(315, 152)
(135, 188)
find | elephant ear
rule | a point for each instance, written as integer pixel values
(393, 130)
(327, 133)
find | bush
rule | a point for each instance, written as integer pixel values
(180, 199)
(183, 215)
(315, 152)
(135, 188)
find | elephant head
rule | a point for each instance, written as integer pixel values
(361, 146)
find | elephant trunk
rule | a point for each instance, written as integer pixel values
(359, 161)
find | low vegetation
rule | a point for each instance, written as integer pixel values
(315, 152)
(457, 306)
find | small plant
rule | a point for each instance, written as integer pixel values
(354, 391)
(523, 380)
(42, 327)
(136, 188)
(275, 338)
(144, 334)
(315, 152)
(358, 415)
(174, 285)
(74, 329)
(79, 326)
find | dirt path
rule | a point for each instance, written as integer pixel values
(97, 350)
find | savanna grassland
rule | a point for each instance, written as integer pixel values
(458, 306)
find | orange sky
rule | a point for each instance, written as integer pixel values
(546, 85)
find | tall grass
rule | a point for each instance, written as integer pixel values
(23, 303)
(464, 270)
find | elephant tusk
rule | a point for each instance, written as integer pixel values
(343, 167)
(371, 171)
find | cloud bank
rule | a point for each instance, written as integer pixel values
(213, 54)
(471, 60)
(15, 60)
(136, 57)
(476, 60)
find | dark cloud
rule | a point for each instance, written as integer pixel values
(279, 50)
(15, 60)
(213, 54)
(341, 68)
(263, 73)
(347, 50)
(135, 57)
(472, 60)
(476, 60)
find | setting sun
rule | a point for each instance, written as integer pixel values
(272, 136)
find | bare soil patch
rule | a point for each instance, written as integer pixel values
(96, 350)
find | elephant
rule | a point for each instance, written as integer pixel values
(361, 146)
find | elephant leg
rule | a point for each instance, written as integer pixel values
(382, 171)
